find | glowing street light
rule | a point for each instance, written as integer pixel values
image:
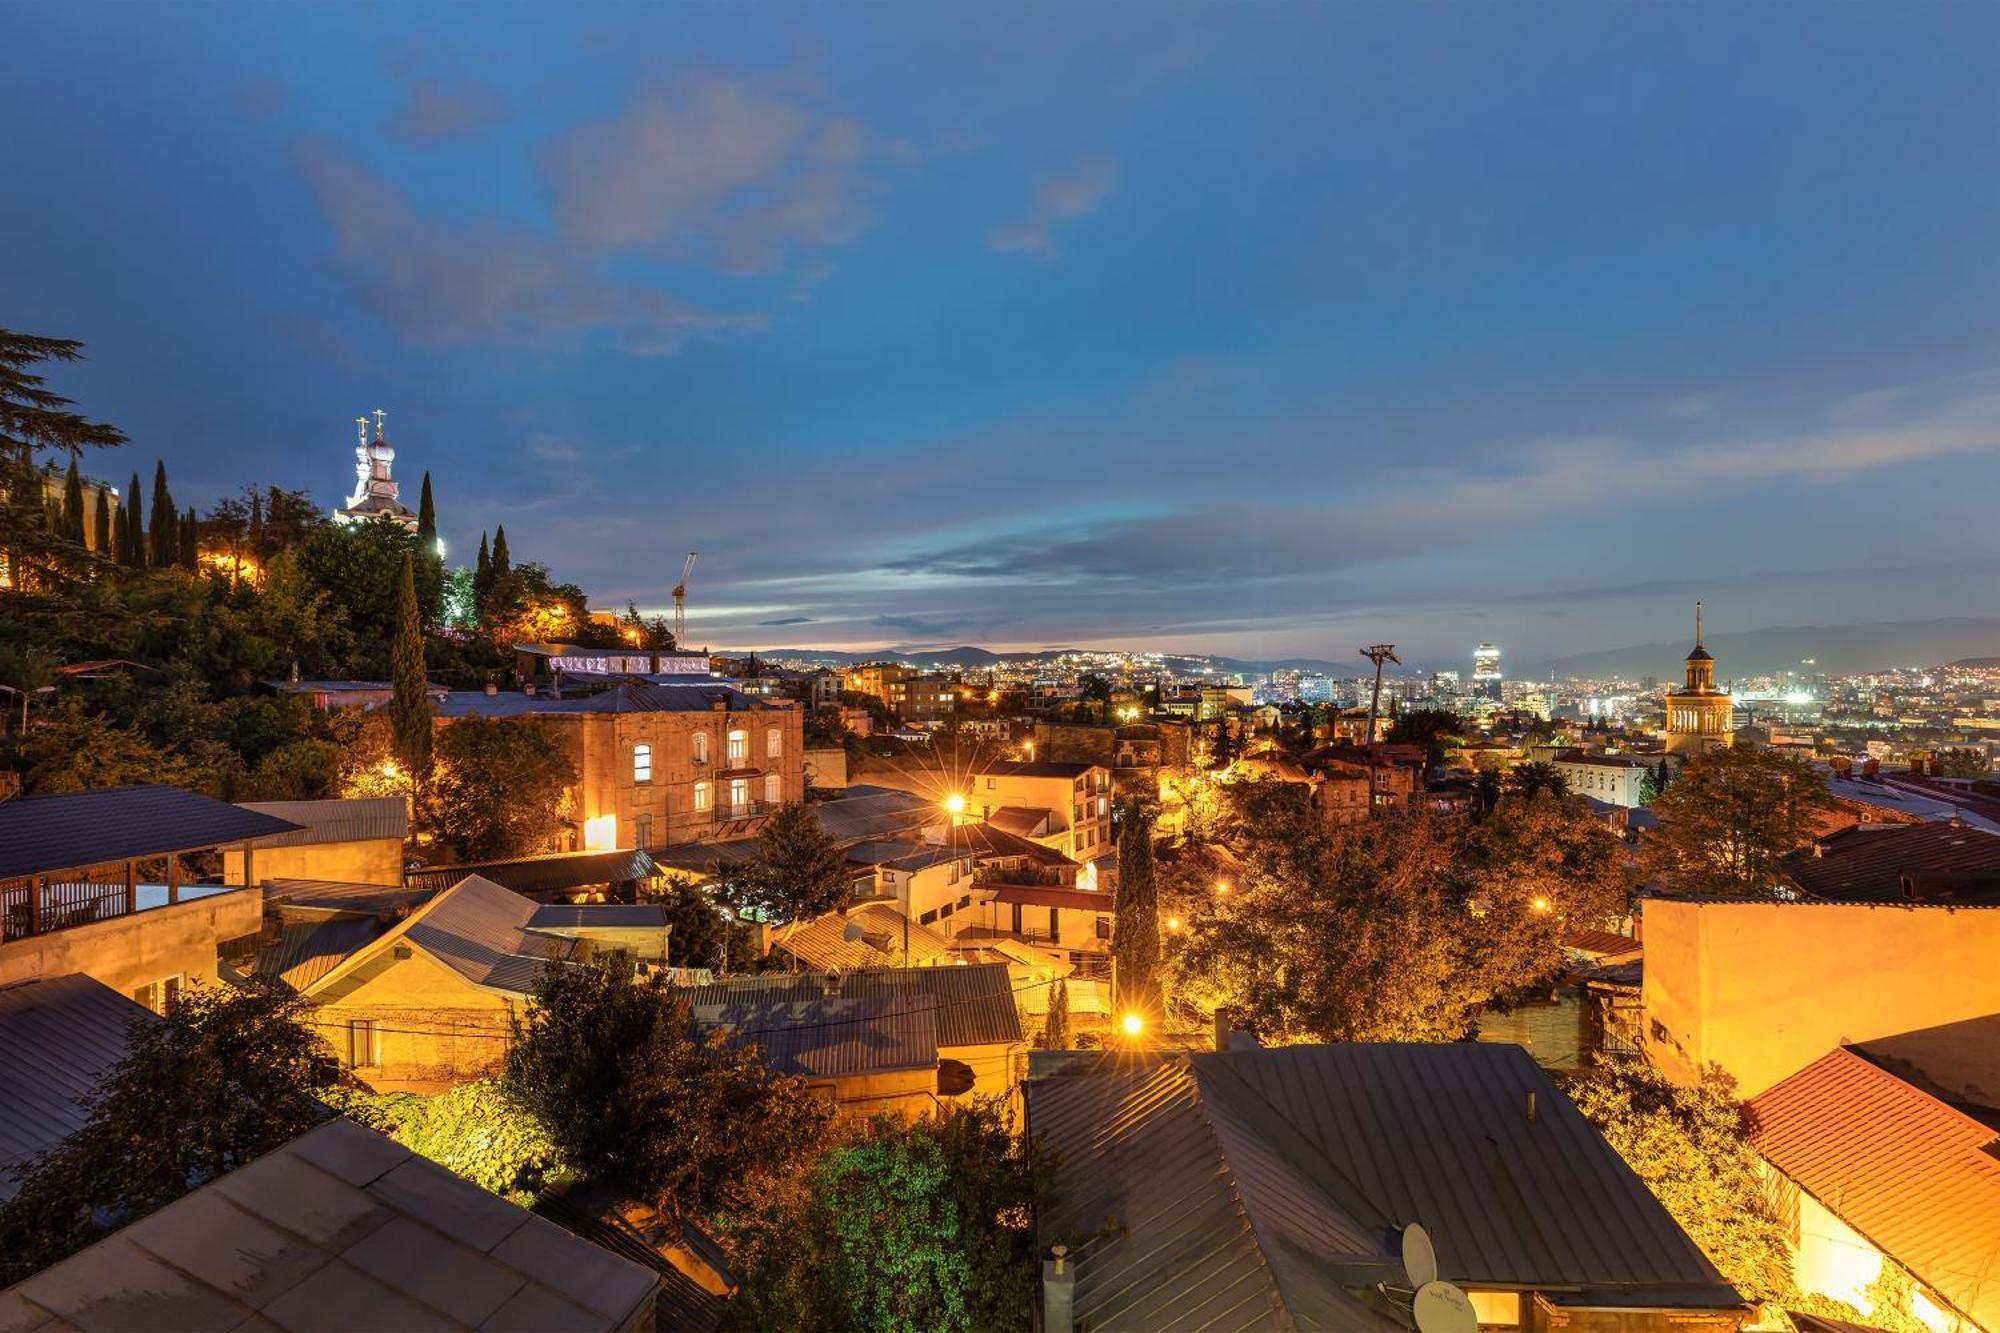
(1221, 886)
(1132, 1025)
(1173, 923)
(955, 804)
(1540, 904)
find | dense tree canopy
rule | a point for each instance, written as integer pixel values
(500, 787)
(1730, 817)
(798, 873)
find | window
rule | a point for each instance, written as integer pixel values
(160, 995)
(774, 743)
(1103, 927)
(364, 1043)
(739, 746)
(739, 793)
(701, 747)
(774, 786)
(701, 796)
(642, 831)
(1496, 1309)
(642, 763)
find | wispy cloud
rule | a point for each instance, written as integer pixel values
(717, 168)
(434, 112)
(493, 279)
(1058, 200)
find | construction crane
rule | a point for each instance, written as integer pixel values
(1378, 654)
(681, 603)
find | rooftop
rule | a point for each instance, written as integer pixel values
(58, 1038)
(627, 696)
(975, 1003)
(553, 872)
(1941, 862)
(822, 943)
(1916, 1177)
(361, 820)
(339, 1229)
(76, 830)
(480, 931)
(1032, 769)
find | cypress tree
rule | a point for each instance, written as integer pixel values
(410, 705)
(121, 538)
(501, 564)
(72, 515)
(482, 575)
(101, 529)
(1055, 1032)
(427, 521)
(134, 551)
(430, 565)
(1135, 927)
(164, 522)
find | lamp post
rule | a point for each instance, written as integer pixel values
(26, 695)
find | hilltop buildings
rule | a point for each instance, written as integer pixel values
(376, 493)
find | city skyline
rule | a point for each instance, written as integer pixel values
(1260, 333)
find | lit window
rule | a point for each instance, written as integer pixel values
(701, 796)
(739, 793)
(642, 763)
(739, 746)
(701, 747)
(1496, 1309)
(774, 788)
(774, 743)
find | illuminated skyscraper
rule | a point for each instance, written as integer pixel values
(1486, 671)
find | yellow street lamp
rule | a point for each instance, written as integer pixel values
(1132, 1025)
(1222, 886)
(1540, 904)
(1173, 923)
(955, 804)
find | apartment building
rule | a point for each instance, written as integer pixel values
(1077, 798)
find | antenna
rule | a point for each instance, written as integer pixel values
(680, 603)
(1378, 654)
(1420, 1261)
(1439, 1307)
(1697, 624)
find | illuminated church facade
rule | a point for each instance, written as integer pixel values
(375, 490)
(1699, 716)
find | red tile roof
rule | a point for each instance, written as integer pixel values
(1914, 1176)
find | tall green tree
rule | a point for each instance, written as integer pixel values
(1537, 778)
(74, 524)
(500, 787)
(613, 1070)
(1434, 730)
(1055, 1031)
(1730, 818)
(134, 554)
(410, 703)
(230, 1075)
(482, 576)
(102, 533)
(163, 523)
(430, 565)
(502, 562)
(36, 422)
(1135, 927)
(914, 1226)
(799, 871)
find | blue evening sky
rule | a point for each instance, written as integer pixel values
(1258, 329)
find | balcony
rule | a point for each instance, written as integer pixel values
(65, 904)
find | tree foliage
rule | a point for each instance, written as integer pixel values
(1690, 1147)
(799, 872)
(1730, 817)
(1398, 928)
(410, 704)
(475, 1130)
(1434, 730)
(910, 1227)
(1135, 930)
(500, 787)
(228, 1076)
(631, 1097)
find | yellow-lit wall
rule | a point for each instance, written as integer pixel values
(432, 1025)
(379, 861)
(128, 952)
(1764, 989)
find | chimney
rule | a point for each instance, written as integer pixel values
(1221, 1031)
(491, 689)
(1531, 1107)
(1058, 1292)
(529, 689)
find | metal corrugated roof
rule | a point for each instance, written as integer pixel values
(87, 828)
(384, 900)
(872, 812)
(1174, 1241)
(700, 695)
(618, 916)
(1439, 1134)
(363, 819)
(550, 873)
(340, 1228)
(59, 1036)
(975, 1002)
(479, 930)
(1916, 1177)
(1868, 863)
(832, 1038)
(823, 944)
(305, 951)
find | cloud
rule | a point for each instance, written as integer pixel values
(788, 620)
(489, 280)
(1223, 543)
(723, 170)
(552, 448)
(432, 112)
(922, 628)
(1058, 200)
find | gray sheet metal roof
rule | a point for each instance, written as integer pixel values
(975, 1003)
(832, 1038)
(364, 819)
(88, 828)
(1191, 1244)
(1439, 1134)
(552, 873)
(480, 930)
(620, 916)
(339, 1229)
(58, 1038)
(873, 812)
(305, 951)
(699, 695)
(822, 943)
(385, 900)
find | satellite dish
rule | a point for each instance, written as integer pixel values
(1420, 1260)
(1440, 1307)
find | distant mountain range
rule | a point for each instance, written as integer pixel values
(1835, 649)
(967, 657)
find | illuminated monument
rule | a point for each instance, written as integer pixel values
(1699, 716)
(375, 490)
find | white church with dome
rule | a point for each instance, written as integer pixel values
(375, 491)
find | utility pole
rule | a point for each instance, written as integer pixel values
(1378, 654)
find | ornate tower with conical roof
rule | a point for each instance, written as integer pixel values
(375, 491)
(1699, 716)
